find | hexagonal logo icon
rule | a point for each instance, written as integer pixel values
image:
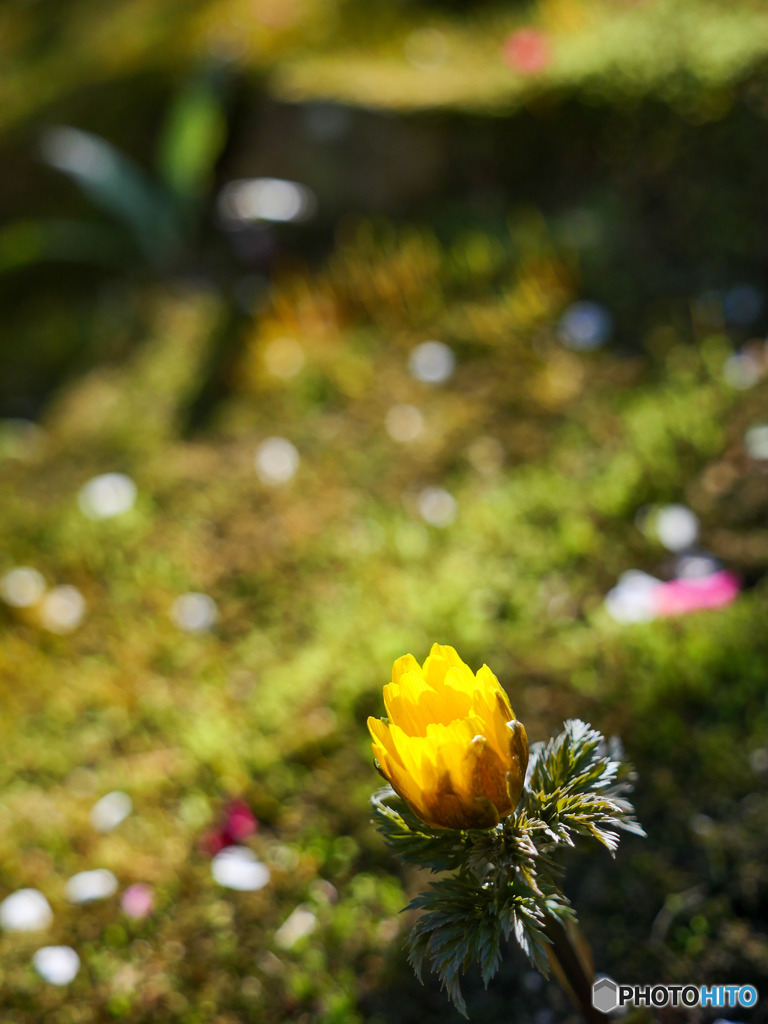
(605, 995)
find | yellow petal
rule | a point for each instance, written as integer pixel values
(401, 781)
(492, 687)
(460, 679)
(435, 668)
(518, 761)
(486, 775)
(405, 664)
(382, 737)
(403, 711)
(448, 654)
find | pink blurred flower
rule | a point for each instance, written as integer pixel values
(137, 900)
(527, 51)
(236, 824)
(680, 597)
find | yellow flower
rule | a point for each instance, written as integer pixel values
(451, 748)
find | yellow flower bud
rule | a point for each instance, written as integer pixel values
(451, 747)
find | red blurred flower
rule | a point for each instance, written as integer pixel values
(236, 824)
(527, 51)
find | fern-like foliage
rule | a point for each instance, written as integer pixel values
(506, 881)
(578, 786)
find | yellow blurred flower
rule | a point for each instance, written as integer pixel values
(451, 748)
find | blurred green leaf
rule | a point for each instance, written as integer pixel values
(193, 136)
(118, 186)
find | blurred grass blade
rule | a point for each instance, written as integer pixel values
(27, 242)
(194, 135)
(117, 185)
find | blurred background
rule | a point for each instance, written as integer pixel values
(331, 329)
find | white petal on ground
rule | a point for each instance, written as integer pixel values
(57, 964)
(302, 922)
(237, 867)
(108, 812)
(91, 885)
(25, 910)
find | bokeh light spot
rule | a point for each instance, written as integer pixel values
(432, 362)
(585, 326)
(676, 527)
(437, 506)
(756, 441)
(277, 461)
(404, 423)
(194, 612)
(284, 357)
(108, 495)
(62, 609)
(22, 587)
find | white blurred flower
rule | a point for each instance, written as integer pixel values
(298, 925)
(108, 812)
(194, 613)
(22, 587)
(56, 964)
(91, 885)
(437, 507)
(276, 461)
(404, 423)
(250, 200)
(25, 910)
(696, 567)
(432, 362)
(107, 495)
(62, 609)
(676, 526)
(237, 867)
(633, 599)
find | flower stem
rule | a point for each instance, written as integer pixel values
(570, 960)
